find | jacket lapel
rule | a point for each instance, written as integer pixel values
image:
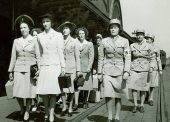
(27, 43)
(143, 46)
(111, 44)
(84, 47)
(67, 43)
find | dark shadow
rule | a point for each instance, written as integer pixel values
(59, 109)
(126, 108)
(97, 118)
(15, 116)
(36, 117)
(131, 100)
(2, 93)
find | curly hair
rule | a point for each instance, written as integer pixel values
(82, 29)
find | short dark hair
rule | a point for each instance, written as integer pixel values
(38, 30)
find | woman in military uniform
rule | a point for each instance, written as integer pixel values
(52, 64)
(86, 62)
(157, 68)
(140, 67)
(114, 63)
(25, 52)
(72, 62)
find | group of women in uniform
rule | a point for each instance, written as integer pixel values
(57, 53)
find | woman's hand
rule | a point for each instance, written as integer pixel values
(62, 71)
(78, 73)
(125, 76)
(94, 72)
(88, 70)
(160, 72)
(151, 69)
(100, 78)
(37, 73)
(11, 78)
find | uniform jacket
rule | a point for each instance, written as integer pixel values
(86, 56)
(114, 56)
(51, 45)
(157, 65)
(142, 56)
(24, 55)
(71, 55)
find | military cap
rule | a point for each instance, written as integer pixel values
(115, 21)
(150, 36)
(99, 36)
(68, 24)
(24, 19)
(140, 31)
(47, 15)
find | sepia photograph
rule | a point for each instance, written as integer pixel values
(84, 61)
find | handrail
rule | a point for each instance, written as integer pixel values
(162, 113)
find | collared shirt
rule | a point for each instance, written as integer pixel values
(25, 40)
(83, 43)
(66, 40)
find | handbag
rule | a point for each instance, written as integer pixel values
(9, 89)
(33, 70)
(64, 81)
(79, 81)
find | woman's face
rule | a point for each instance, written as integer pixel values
(24, 29)
(140, 37)
(99, 40)
(114, 29)
(149, 40)
(81, 35)
(66, 31)
(46, 23)
(35, 33)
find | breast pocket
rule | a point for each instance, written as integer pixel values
(120, 49)
(109, 50)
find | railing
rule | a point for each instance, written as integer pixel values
(162, 113)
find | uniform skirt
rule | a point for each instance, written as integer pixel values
(48, 80)
(71, 88)
(114, 87)
(88, 84)
(154, 79)
(138, 81)
(24, 87)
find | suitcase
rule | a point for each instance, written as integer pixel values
(94, 96)
(9, 89)
(64, 81)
